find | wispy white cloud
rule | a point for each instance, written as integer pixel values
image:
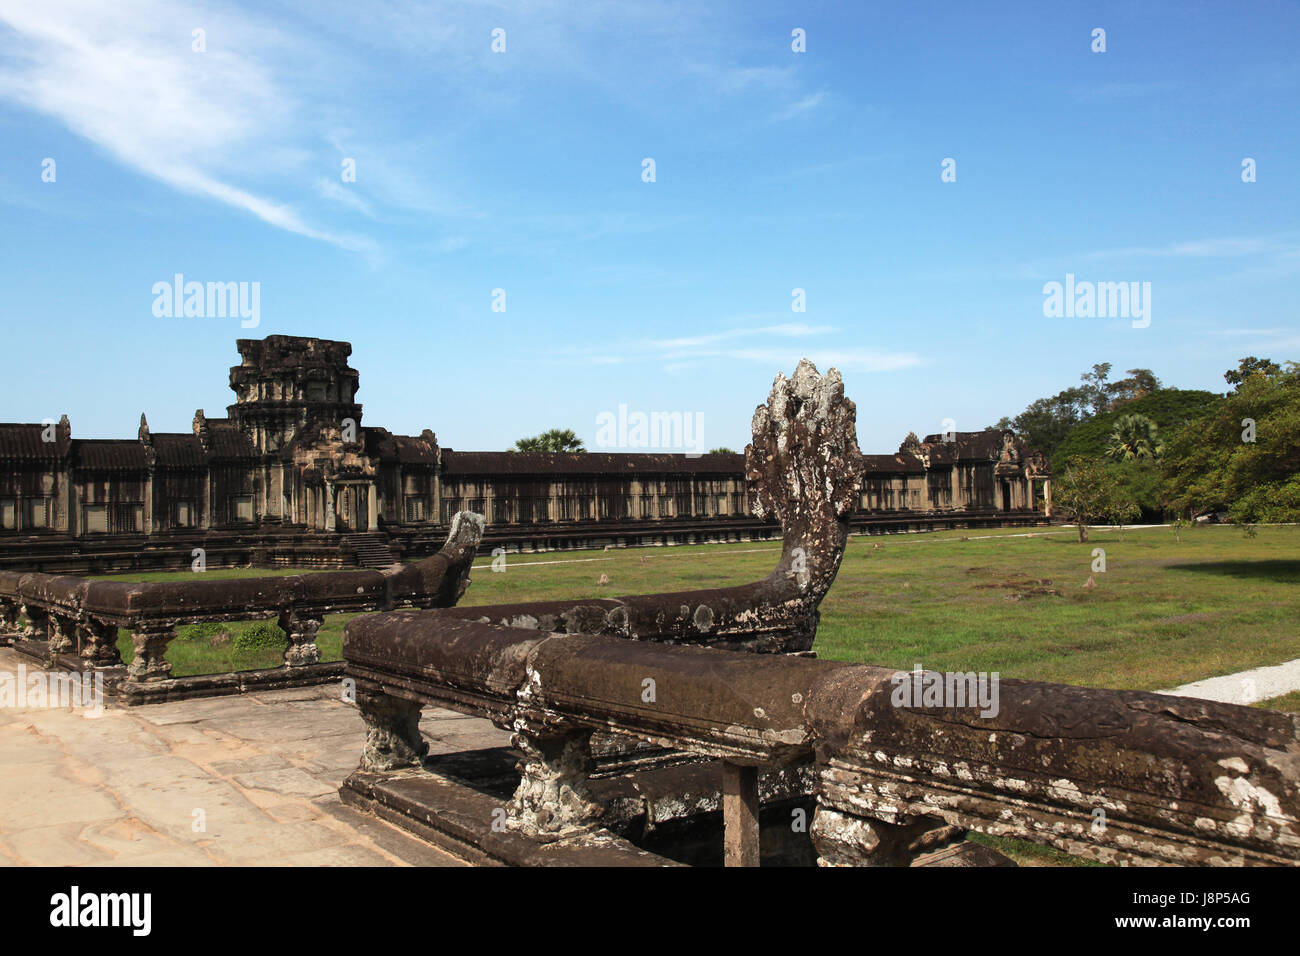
(1207, 248)
(126, 77)
(250, 121)
(732, 80)
(804, 104)
(846, 360)
(340, 193)
(762, 345)
(784, 330)
(1125, 90)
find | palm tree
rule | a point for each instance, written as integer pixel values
(557, 439)
(1134, 437)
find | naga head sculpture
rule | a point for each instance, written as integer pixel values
(804, 469)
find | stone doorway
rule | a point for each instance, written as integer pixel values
(352, 509)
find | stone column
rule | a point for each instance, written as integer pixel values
(844, 839)
(302, 649)
(63, 634)
(150, 661)
(147, 519)
(8, 621)
(330, 525)
(393, 738)
(97, 643)
(847, 839)
(740, 811)
(372, 508)
(206, 505)
(1047, 496)
(38, 623)
(552, 800)
(63, 500)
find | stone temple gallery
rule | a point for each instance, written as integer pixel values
(291, 477)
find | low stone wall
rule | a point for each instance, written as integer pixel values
(277, 547)
(74, 622)
(1115, 776)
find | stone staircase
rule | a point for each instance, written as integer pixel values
(372, 549)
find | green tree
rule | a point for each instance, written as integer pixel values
(721, 451)
(1243, 457)
(1096, 392)
(1139, 479)
(1134, 437)
(1089, 493)
(1170, 408)
(1140, 383)
(1046, 422)
(557, 439)
(1247, 367)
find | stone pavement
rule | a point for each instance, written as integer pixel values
(224, 781)
(1245, 687)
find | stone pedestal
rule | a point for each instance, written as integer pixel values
(38, 623)
(63, 634)
(150, 661)
(8, 622)
(846, 839)
(97, 643)
(393, 738)
(302, 649)
(552, 800)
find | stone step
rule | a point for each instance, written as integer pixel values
(371, 549)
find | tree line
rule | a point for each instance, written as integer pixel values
(1133, 449)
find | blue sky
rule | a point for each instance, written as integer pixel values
(522, 171)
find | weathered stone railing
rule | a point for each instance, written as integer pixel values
(1176, 781)
(78, 619)
(802, 471)
(1117, 776)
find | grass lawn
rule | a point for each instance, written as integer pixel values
(1165, 611)
(216, 649)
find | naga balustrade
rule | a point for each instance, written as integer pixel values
(803, 471)
(1117, 776)
(1177, 780)
(72, 619)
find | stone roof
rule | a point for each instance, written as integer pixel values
(292, 351)
(416, 450)
(585, 463)
(179, 450)
(984, 445)
(941, 454)
(901, 462)
(408, 449)
(227, 441)
(103, 454)
(20, 441)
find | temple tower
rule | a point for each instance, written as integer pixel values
(286, 381)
